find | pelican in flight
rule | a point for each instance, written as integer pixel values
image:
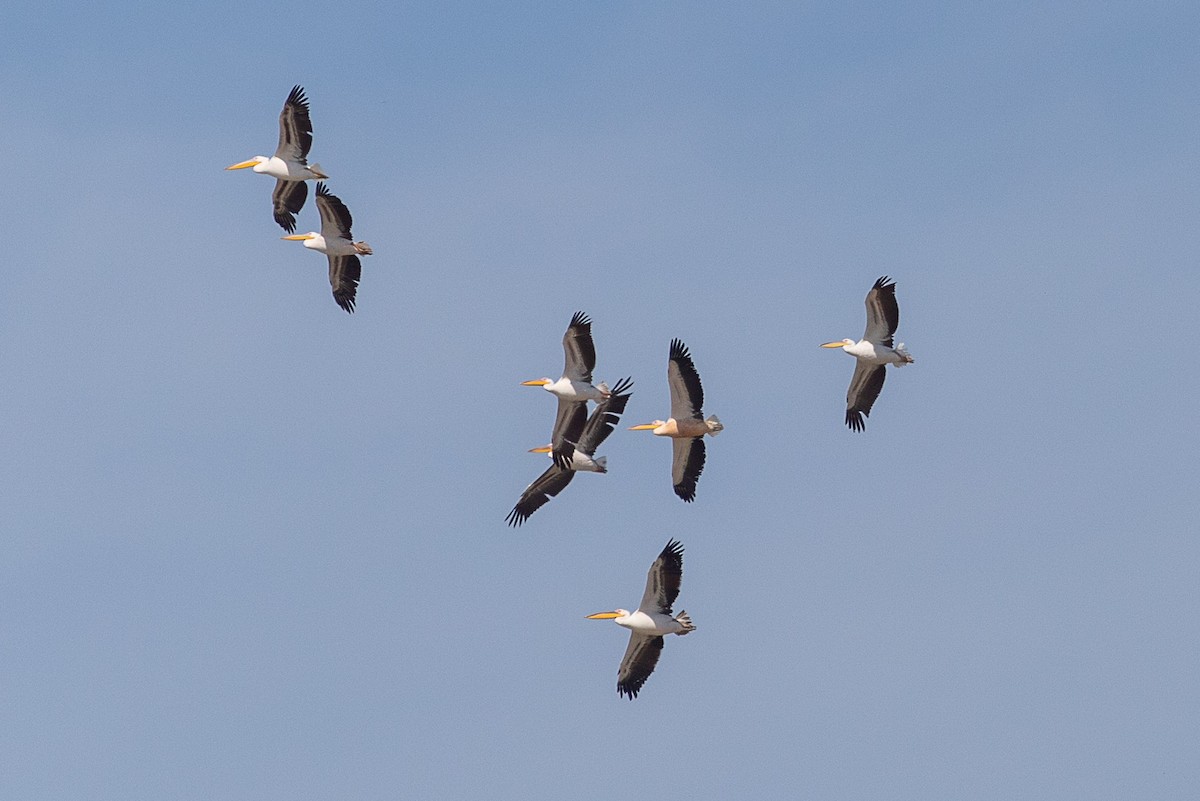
(573, 449)
(290, 163)
(579, 359)
(873, 352)
(687, 425)
(651, 622)
(336, 242)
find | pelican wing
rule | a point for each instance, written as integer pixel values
(344, 272)
(883, 313)
(295, 128)
(537, 494)
(638, 663)
(579, 353)
(287, 200)
(335, 217)
(569, 425)
(604, 418)
(662, 582)
(864, 389)
(687, 463)
(687, 396)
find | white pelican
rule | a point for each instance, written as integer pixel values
(651, 622)
(573, 450)
(873, 352)
(336, 242)
(686, 425)
(579, 359)
(290, 162)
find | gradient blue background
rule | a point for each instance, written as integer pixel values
(253, 547)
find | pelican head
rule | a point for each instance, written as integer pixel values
(613, 615)
(648, 426)
(539, 382)
(311, 240)
(841, 343)
(254, 162)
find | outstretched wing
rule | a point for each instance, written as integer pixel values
(638, 663)
(538, 494)
(569, 424)
(335, 217)
(883, 313)
(579, 353)
(662, 582)
(605, 417)
(295, 128)
(864, 389)
(286, 201)
(687, 463)
(687, 396)
(344, 272)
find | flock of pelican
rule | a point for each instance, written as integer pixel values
(576, 435)
(290, 169)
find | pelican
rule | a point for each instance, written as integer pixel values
(686, 425)
(579, 359)
(573, 450)
(336, 242)
(873, 352)
(290, 162)
(651, 622)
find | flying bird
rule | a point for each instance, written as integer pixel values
(575, 387)
(336, 242)
(686, 425)
(290, 163)
(579, 360)
(873, 352)
(573, 449)
(651, 622)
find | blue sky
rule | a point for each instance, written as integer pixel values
(254, 547)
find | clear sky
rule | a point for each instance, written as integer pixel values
(254, 547)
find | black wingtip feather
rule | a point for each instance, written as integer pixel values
(621, 386)
(686, 489)
(296, 97)
(286, 202)
(581, 320)
(883, 283)
(854, 419)
(563, 454)
(679, 350)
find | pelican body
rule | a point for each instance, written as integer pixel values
(280, 169)
(337, 243)
(873, 352)
(686, 426)
(573, 450)
(289, 166)
(652, 620)
(580, 462)
(570, 389)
